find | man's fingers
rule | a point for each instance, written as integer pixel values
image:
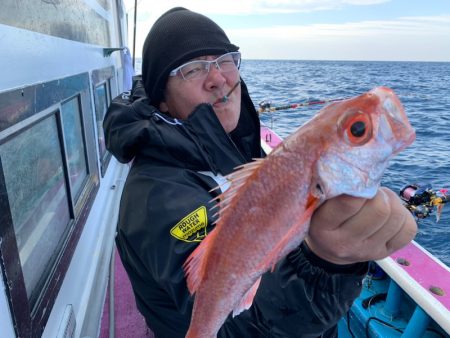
(335, 211)
(406, 234)
(398, 230)
(347, 229)
(369, 219)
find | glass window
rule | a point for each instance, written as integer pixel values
(33, 170)
(104, 85)
(48, 182)
(101, 105)
(75, 149)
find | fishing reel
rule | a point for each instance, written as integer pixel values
(421, 200)
(264, 106)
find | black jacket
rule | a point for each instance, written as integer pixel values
(165, 212)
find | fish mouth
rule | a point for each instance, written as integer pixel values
(386, 132)
(407, 141)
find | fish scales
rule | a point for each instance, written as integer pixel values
(265, 213)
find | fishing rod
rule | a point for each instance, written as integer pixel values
(421, 200)
(266, 106)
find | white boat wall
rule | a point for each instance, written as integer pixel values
(59, 187)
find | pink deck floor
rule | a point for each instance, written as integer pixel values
(128, 321)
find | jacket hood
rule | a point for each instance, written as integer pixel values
(136, 130)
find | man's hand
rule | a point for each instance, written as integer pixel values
(347, 229)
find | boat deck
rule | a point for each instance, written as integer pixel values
(128, 322)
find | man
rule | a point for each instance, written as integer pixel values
(195, 124)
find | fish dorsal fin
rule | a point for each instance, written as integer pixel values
(237, 180)
(247, 300)
(297, 230)
(194, 267)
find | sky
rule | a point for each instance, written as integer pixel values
(369, 30)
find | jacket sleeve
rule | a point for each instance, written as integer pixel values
(305, 296)
(125, 123)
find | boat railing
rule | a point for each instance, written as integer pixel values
(414, 271)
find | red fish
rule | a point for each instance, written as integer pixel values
(265, 213)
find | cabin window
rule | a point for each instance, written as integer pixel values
(102, 100)
(48, 181)
(104, 87)
(34, 177)
(75, 148)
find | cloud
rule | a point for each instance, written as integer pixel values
(410, 26)
(404, 38)
(245, 7)
(407, 26)
(407, 38)
(149, 11)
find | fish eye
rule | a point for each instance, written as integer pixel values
(358, 129)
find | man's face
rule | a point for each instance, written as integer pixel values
(182, 95)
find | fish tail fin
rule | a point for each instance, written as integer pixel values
(194, 267)
(247, 300)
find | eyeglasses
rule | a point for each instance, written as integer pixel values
(200, 68)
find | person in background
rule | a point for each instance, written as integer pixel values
(186, 124)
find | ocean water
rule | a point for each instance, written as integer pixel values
(423, 88)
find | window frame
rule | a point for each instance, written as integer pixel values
(104, 76)
(36, 103)
(77, 203)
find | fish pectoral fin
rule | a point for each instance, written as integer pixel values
(247, 300)
(194, 267)
(296, 232)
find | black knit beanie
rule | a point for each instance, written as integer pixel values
(178, 36)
